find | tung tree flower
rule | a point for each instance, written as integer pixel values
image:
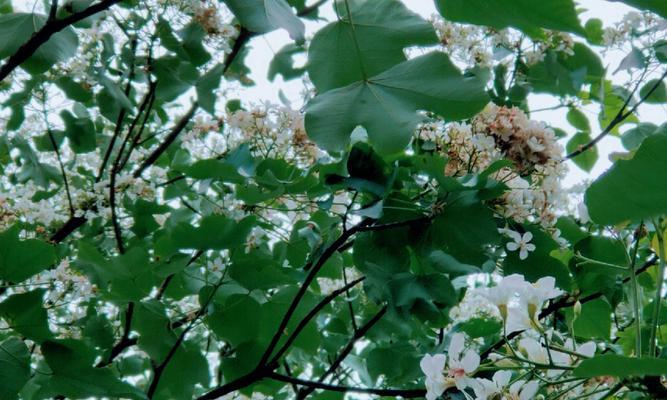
(499, 388)
(521, 243)
(442, 375)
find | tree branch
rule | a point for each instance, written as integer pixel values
(51, 27)
(360, 333)
(168, 140)
(405, 393)
(304, 322)
(620, 117)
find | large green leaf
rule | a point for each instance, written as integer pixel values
(80, 132)
(594, 322)
(527, 15)
(21, 259)
(24, 314)
(632, 138)
(214, 232)
(17, 28)
(631, 189)
(657, 6)
(74, 375)
(14, 367)
(620, 366)
(344, 52)
(386, 104)
(464, 229)
(264, 16)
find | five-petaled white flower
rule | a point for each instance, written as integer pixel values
(440, 378)
(499, 388)
(521, 243)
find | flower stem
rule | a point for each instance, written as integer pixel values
(658, 291)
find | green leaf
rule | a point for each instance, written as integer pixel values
(17, 28)
(14, 367)
(80, 132)
(152, 324)
(74, 90)
(344, 52)
(215, 169)
(620, 366)
(6, 6)
(213, 232)
(629, 190)
(386, 104)
(174, 77)
(24, 314)
(230, 320)
(464, 229)
(592, 278)
(445, 263)
(655, 91)
(33, 169)
(283, 63)
(594, 322)
(393, 363)
(594, 31)
(480, 327)
(206, 87)
(564, 74)
(75, 377)
(527, 15)
(660, 48)
(578, 119)
(257, 270)
(657, 6)
(180, 383)
(588, 158)
(262, 16)
(632, 138)
(21, 259)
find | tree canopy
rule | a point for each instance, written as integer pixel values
(401, 230)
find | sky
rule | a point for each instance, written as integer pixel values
(264, 47)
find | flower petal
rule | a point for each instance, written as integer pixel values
(511, 246)
(470, 361)
(433, 365)
(502, 378)
(529, 390)
(456, 345)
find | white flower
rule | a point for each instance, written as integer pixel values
(536, 294)
(523, 390)
(497, 388)
(501, 294)
(488, 389)
(439, 378)
(521, 243)
(535, 144)
(534, 350)
(433, 366)
(586, 350)
(517, 319)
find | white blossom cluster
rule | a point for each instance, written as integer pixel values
(274, 131)
(547, 353)
(471, 44)
(646, 26)
(534, 179)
